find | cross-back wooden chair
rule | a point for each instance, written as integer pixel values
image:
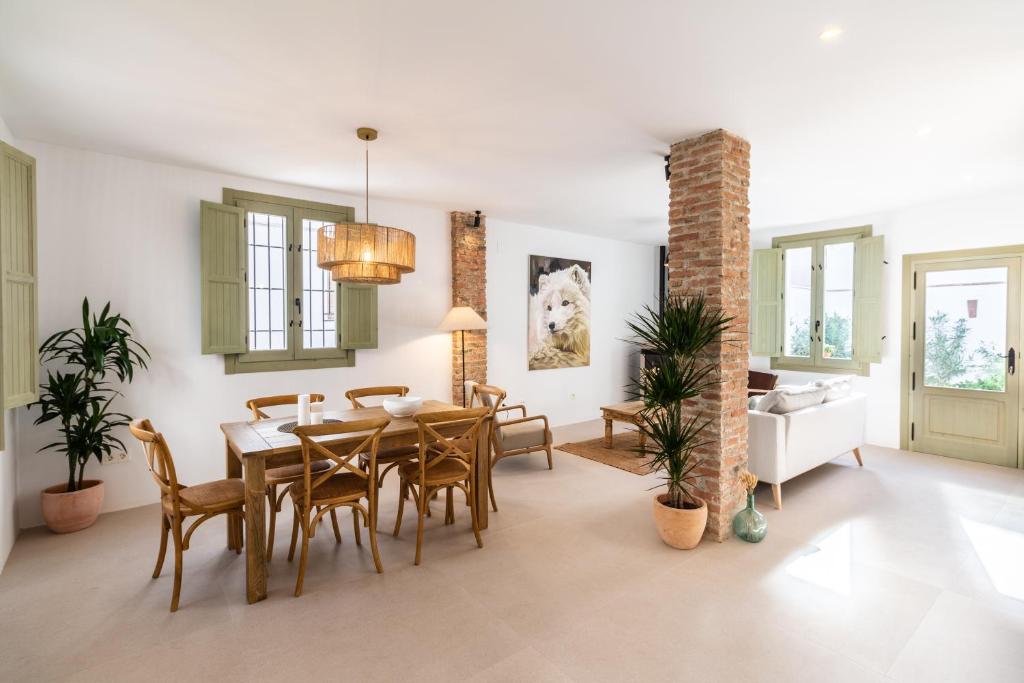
(178, 502)
(492, 397)
(342, 484)
(389, 458)
(516, 436)
(446, 461)
(369, 392)
(280, 476)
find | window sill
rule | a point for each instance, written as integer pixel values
(232, 366)
(860, 369)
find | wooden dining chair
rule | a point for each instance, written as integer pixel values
(178, 502)
(280, 476)
(342, 484)
(445, 461)
(518, 436)
(388, 458)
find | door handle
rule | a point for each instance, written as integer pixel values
(1011, 361)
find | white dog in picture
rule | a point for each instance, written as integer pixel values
(560, 320)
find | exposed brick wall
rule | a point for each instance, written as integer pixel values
(469, 288)
(709, 249)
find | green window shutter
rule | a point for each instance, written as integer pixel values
(223, 262)
(18, 298)
(868, 259)
(766, 303)
(357, 316)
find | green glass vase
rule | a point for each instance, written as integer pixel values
(749, 524)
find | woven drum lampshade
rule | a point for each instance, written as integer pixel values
(367, 253)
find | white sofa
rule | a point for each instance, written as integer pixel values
(781, 447)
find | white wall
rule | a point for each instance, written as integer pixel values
(8, 458)
(5, 133)
(984, 221)
(624, 277)
(125, 230)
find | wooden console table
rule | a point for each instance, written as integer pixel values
(621, 412)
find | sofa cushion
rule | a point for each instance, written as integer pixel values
(836, 387)
(788, 398)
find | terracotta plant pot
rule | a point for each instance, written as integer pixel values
(680, 528)
(66, 512)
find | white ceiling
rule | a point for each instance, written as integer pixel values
(549, 112)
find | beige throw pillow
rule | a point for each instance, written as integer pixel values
(786, 399)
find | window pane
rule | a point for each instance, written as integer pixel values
(267, 269)
(318, 294)
(838, 302)
(798, 302)
(965, 329)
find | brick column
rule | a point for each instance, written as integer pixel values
(709, 250)
(469, 288)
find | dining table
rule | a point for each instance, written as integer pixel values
(252, 447)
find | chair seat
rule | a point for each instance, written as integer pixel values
(290, 473)
(390, 455)
(213, 496)
(522, 435)
(448, 471)
(339, 487)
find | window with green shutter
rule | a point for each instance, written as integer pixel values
(816, 301)
(290, 314)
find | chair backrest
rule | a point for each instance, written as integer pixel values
(449, 434)
(761, 380)
(158, 458)
(486, 395)
(257, 404)
(355, 394)
(340, 457)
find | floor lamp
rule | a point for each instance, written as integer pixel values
(460, 319)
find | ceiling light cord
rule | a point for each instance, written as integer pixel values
(366, 216)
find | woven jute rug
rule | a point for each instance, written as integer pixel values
(620, 455)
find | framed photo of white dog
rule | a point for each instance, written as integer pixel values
(559, 313)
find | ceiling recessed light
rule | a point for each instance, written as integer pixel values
(924, 131)
(830, 33)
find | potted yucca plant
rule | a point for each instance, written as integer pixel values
(78, 397)
(679, 336)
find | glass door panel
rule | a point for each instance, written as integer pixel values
(965, 329)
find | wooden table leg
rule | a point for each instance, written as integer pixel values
(255, 530)
(232, 470)
(643, 439)
(482, 465)
(607, 433)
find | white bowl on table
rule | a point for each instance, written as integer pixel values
(402, 406)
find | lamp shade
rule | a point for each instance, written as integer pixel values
(463, 318)
(364, 252)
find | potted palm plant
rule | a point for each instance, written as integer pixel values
(678, 336)
(78, 396)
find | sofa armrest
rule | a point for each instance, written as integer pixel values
(766, 446)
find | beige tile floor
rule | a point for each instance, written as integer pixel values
(910, 569)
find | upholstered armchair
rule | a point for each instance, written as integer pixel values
(510, 435)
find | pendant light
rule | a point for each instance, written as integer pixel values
(366, 252)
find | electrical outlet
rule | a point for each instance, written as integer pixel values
(116, 458)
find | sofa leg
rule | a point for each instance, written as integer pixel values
(856, 454)
(777, 495)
